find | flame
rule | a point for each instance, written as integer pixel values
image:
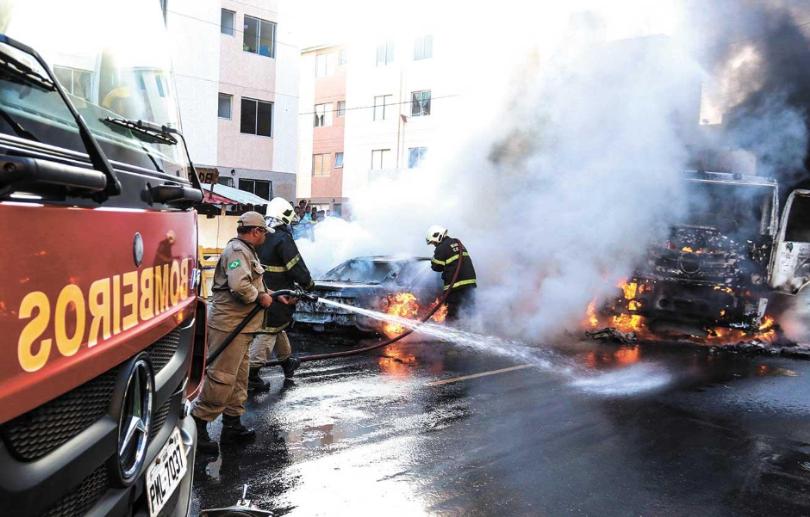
(590, 316)
(625, 319)
(397, 362)
(440, 315)
(687, 249)
(403, 305)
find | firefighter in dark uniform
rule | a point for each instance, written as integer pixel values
(445, 260)
(283, 269)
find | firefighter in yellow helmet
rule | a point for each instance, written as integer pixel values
(448, 252)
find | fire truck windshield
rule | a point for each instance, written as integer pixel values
(112, 58)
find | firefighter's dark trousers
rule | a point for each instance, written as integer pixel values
(460, 302)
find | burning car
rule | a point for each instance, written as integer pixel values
(724, 262)
(394, 285)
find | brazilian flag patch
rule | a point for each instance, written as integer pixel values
(235, 264)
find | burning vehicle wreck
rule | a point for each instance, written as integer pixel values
(727, 264)
(398, 285)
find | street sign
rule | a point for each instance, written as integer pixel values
(208, 175)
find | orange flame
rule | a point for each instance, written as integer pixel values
(441, 314)
(403, 305)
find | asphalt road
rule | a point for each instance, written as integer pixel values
(601, 430)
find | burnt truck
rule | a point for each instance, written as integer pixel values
(730, 259)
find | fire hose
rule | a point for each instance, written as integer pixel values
(385, 342)
(345, 353)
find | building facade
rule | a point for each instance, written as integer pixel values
(369, 110)
(237, 82)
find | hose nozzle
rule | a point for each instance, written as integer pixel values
(294, 293)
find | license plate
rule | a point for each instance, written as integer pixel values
(166, 472)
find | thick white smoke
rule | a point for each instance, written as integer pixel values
(558, 185)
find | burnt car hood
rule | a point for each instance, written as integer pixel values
(329, 289)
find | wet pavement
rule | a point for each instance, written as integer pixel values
(602, 430)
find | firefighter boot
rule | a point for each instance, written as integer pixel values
(234, 430)
(289, 366)
(205, 444)
(256, 383)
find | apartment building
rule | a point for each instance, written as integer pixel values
(237, 82)
(321, 127)
(369, 110)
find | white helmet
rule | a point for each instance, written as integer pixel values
(436, 234)
(280, 210)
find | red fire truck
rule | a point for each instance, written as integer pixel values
(101, 328)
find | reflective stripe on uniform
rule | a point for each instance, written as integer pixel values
(448, 261)
(461, 284)
(454, 258)
(283, 269)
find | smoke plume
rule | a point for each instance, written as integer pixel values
(572, 167)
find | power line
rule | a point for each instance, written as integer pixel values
(265, 90)
(234, 29)
(254, 6)
(301, 113)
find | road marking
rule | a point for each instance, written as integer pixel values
(477, 375)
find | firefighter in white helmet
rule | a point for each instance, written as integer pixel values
(283, 268)
(448, 252)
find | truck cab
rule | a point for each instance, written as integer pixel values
(103, 334)
(727, 257)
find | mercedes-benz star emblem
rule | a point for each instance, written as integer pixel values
(136, 417)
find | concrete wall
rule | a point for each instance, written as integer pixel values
(215, 232)
(285, 148)
(245, 74)
(306, 100)
(194, 30)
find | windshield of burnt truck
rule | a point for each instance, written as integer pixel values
(108, 69)
(742, 212)
(798, 223)
(363, 272)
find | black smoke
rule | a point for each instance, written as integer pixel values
(769, 112)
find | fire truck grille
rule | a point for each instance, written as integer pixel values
(80, 499)
(41, 430)
(159, 418)
(162, 350)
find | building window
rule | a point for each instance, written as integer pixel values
(338, 160)
(385, 53)
(423, 48)
(257, 117)
(226, 22)
(380, 102)
(340, 109)
(420, 103)
(380, 159)
(324, 64)
(342, 57)
(224, 107)
(228, 182)
(320, 165)
(415, 156)
(263, 189)
(259, 37)
(323, 115)
(75, 81)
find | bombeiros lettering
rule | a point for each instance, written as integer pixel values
(93, 315)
